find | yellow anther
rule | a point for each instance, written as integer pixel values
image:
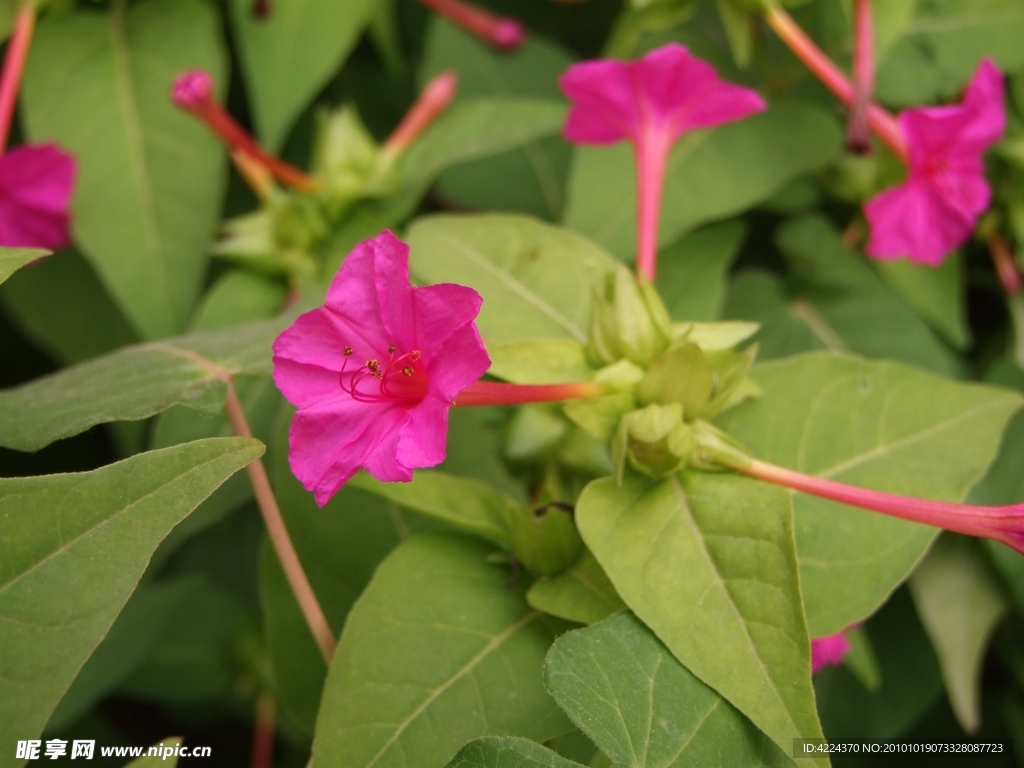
(348, 351)
(407, 371)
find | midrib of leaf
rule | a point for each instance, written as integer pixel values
(684, 508)
(693, 734)
(903, 442)
(804, 311)
(135, 142)
(517, 287)
(102, 523)
(495, 643)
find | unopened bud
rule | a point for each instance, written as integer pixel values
(654, 441)
(433, 100)
(192, 89)
(628, 321)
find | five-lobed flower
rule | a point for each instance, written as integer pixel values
(375, 370)
(650, 102)
(937, 207)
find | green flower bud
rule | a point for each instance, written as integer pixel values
(628, 321)
(348, 161)
(715, 449)
(654, 441)
(600, 416)
(681, 375)
(544, 540)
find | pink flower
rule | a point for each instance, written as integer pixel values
(375, 370)
(36, 183)
(651, 102)
(829, 651)
(935, 209)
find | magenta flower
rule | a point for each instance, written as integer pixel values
(36, 183)
(935, 209)
(650, 102)
(375, 370)
(829, 651)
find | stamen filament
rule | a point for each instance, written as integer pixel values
(14, 65)
(881, 122)
(1005, 524)
(501, 393)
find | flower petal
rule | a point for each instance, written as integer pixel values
(441, 311)
(424, 435)
(605, 108)
(462, 361)
(36, 183)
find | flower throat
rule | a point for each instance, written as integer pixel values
(401, 378)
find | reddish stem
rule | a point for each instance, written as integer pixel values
(14, 65)
(432, 101)
(278, 533)
(881, 122)
(857, 129)
(263, 730)
(502, 32)
(500, 393)
(1005, 524)
(652, 152)
(1002, 258)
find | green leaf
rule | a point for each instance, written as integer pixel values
(530, 179)
(692, 272)
(878, 425)
(72, 549)
(583, 593)
(708, 562)
(239, 297)
(13, 259)
(133, 383)
(542, 361)
(150, 177)
(711, 174)
(536, 279)
(290, 55)
(141, 622)
(935, 293)
(910, 679)
(960, 602)
(438, 650)
(944, 41)
(508, 752)
(61, 305)
(462, 502)
(643, 708)
(478, 128)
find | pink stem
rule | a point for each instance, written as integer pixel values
(278, 532)
(502, 32)
(1005, 524)
(651, 155)
(14, 65)
(882, 123)
(1004, 264)
(500, 393)
(857, 129)
(263, 731)
(434, 100)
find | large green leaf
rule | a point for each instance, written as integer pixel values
(530, 179)
(13, 259)
(960, 601)
(150, 177)
(644, 709)
(508, 752)
(708, 562)
(878, 425)
(72, 549)
(536, 278)
(710, 175)
(438, 650)
(935, 293)
(133, 383)
(288, 56)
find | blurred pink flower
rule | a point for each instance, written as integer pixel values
(36, 183)
(651, 102)
(829, 651)
(935, 209)
(375, 370)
